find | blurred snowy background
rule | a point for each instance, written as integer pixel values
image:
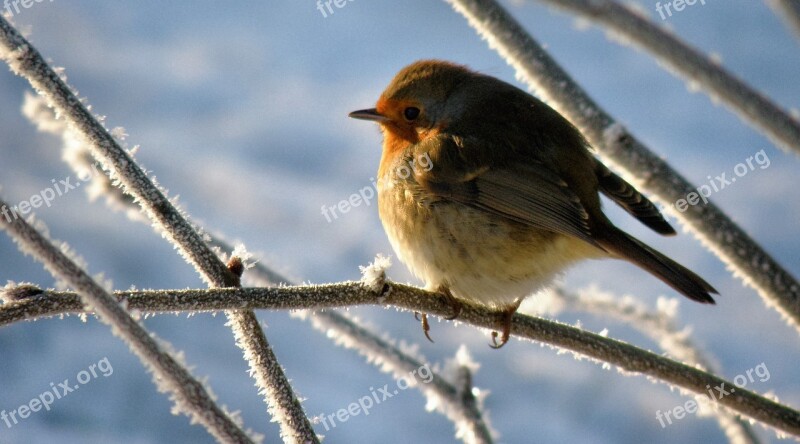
(241, 109)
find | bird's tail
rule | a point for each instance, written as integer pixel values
(672, 273)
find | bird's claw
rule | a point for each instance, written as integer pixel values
(503, 339)
(455, 305)
(505, 334)
(426, 328)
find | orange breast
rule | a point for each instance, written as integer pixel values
(395, 142)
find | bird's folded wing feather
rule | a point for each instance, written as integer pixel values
(527, 192)
(632, 201)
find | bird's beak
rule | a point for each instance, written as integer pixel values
(369, 114)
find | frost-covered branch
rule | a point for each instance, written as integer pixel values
(789, 12)
(282, 403)
(27, 62)
(460, 408)
(470, 398)
(259, 275)
(468, 418)
(626, 357)
(616, 145)
(189, 395)
(660, 326)
(694, 66)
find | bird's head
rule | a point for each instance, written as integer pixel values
(416, 105)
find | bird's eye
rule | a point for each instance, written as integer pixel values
(411, 113)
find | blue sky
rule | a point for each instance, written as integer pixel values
(241, 109)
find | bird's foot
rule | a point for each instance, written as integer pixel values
(455, 305)
(505, 325)
(426, 327)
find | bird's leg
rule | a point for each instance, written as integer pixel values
(507, 314)
(454, 304)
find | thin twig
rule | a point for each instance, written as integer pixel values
(616, 145)
(447, 399)
(660, 327)
(625, 356)
(190, 397)
(27, 62)
(789, 12)
(468, 418)
(752, 106)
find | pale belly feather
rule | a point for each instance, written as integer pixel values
(480, 257)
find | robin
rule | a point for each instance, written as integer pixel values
(511, 198)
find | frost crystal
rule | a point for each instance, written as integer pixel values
(374, 274)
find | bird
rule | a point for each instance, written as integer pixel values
(487, 194)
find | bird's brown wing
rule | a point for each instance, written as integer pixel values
(632, 201)
(527, 192)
